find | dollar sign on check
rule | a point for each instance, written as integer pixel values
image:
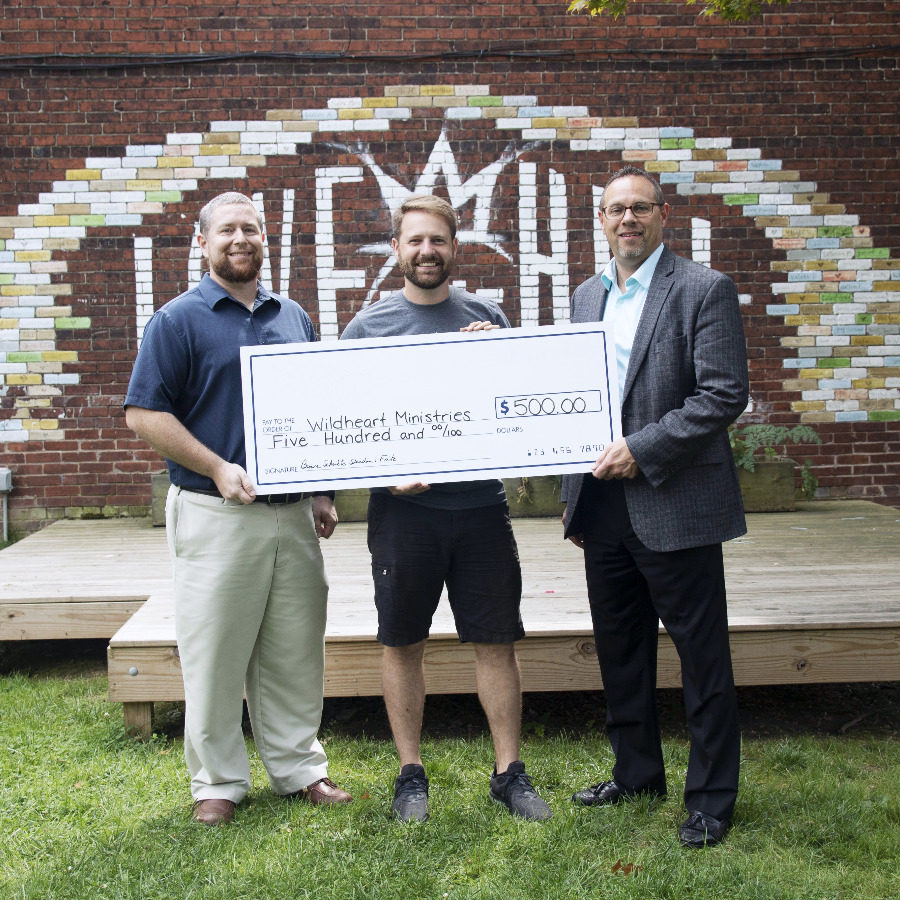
(504, 407)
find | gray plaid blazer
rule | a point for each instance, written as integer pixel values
(686, 382)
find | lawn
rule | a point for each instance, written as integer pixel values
(87, 813)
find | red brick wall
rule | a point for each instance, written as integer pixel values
(805, 96)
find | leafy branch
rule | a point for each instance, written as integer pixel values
(727, 10)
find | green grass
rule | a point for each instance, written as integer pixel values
(87, 813)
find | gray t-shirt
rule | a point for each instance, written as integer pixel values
(395, 315)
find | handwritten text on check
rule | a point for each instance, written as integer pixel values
(435, 408)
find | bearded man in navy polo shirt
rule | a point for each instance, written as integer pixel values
(250, 584)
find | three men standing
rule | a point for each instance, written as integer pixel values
(660, 501)
(423, 536)
(250, 584)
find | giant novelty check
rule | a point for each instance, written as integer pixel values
(432, 408)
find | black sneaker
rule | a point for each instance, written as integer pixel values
(411, 794)
(513, 789)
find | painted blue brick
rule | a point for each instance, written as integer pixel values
(858, 415)
(763, 165)
(676, 177)
(758, 210)
(851, 287)
(535, 112)
(783, 309)
(800, 363)
(823, 243)
(676, 132)
(835, 383)
(849, 329)
(804, 276)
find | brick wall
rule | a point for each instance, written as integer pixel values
(776, 143)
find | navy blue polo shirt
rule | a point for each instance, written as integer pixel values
(189, 365)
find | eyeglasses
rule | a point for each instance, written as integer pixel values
(639, 210)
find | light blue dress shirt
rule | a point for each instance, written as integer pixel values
(623, 310)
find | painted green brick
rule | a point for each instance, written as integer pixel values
(835, 298)
(87, 220)
(835, 231)
(837, 362)
(864, 318)
(884, 415)
(163, 196)
(872, 253)
(740, 199)
(677, 144)
(6, 278)
(73, 322)
(485, 101)
(23, 356)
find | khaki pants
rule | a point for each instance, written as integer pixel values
(250, 604)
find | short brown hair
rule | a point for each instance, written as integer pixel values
(640, 173)
(227, 199)
(424, 203)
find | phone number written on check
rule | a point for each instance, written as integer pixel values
(559, 404)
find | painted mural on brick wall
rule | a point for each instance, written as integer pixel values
(834, 292)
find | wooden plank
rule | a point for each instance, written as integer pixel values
(79, 619)
(138, 720)
(795, 655)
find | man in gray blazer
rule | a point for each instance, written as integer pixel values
(653, 513)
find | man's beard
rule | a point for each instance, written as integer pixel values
(435, 277)
(243, 273)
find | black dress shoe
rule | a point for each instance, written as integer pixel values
(701, 830)
(604, 794)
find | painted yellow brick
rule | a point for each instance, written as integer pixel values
(83, 174)
(815, 417)
(885, 286)
(801, 384)
(52, 312)
(437, 90)
(868, 383)
(48, 221)
(379, 102)
(17, 290)
(222, 137)
(808, 405)
(549, 122)
(23, 379)
(801, 320)
(782, 175)
(248, 160)
(356, 114)
(402, 90)
(220, 149)
(820, 265)
(710, 154)
(59, 356)
(661, 166)
(866, 340)
(41, 425)
(620, 122)
(172, 162)
(9, 323)
(886, 319)
(828, 209)
(32, 255)
(816, 373)
(886, 263)
(32, 402)
(284, 115)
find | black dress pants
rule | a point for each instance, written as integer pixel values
(631, 588)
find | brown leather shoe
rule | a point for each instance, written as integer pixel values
(213, 812)
(323, 791)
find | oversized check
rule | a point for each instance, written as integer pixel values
(437, 407)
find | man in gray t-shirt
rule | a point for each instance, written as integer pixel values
(424, 536)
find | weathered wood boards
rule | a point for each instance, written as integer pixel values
(813, 598)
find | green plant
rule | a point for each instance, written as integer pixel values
(525, 490)
(747, 441)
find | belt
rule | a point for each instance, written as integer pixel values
(270, 499)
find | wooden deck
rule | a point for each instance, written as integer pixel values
(813, 597)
